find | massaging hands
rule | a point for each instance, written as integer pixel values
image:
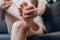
(27, 12)
(6, 4)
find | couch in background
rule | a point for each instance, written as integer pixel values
(51, 19)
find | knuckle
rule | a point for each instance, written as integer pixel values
(26, 17)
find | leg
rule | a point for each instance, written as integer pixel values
(19, 29)
(9, 21)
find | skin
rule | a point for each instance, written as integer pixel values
(27, 26)
(40, 7)
(22, 30)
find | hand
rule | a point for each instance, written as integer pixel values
(6, 4)
(27, 12)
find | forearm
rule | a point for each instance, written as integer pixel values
(41, 7)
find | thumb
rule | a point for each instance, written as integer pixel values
(25, 4)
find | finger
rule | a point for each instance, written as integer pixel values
(21, 6)
(29, 7)
(35, 14)
(26, 16)
(30, 16)
(20, 11)
(24, 4)
(7, 2)
(6, 6)
(29, 12)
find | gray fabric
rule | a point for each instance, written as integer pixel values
(55, 9)
(3, 28)
(49, 36)
(48, 19)
(52, 17)
(4, 37)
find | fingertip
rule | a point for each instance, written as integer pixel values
(21, 5)
(20, 9)
(25, 3)
(29, 7)
(20, 13)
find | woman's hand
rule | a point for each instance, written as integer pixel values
(27, 12)
(6, 4)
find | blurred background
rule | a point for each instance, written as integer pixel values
(49, 2)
